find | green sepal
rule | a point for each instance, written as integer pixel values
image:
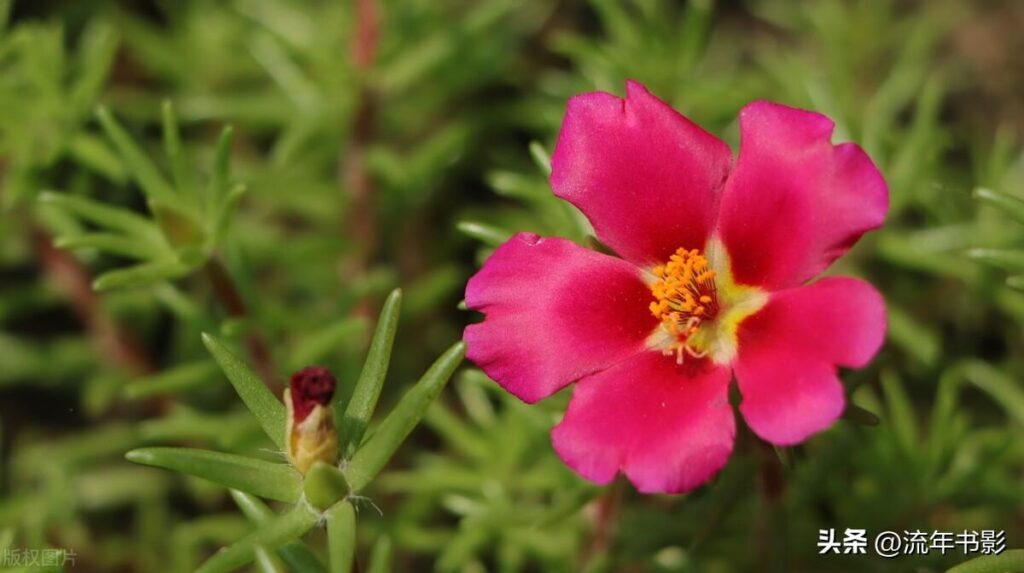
(324, 485)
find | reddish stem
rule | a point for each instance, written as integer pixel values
(353, 171)
(606, 515)
(229, 296)
(74, 282)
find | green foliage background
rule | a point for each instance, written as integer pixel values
(377, 144)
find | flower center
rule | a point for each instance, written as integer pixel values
(685, 297)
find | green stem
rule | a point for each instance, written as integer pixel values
(341, 537)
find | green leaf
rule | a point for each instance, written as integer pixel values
(272, 535)
(380, 559)
(140, 275)
(341, 537)
(95, 56)
(267, 562)
(265, 479)
(371, 380)
(1005, 390)
(105, 216)
(254, 509)
(93, 153)
(254, 393)
(180, 170)
(486, 234)
(146, 174)
(918, 339)
(541, 157)
(1011, 206)
(1011, 561)
(221, 181)
(901, 412)
(372, 456)
(1016, 282)
(1010, 259)
(120, 245)
(295, 553)
(222, 219)
(172, 380)
(942, 420)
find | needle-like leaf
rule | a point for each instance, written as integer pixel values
(1011, 206)
(172, 380)
(264, 405)
(367, 391)
(105, 215)
(267, 562)
(541, 157)
(180, 171)
(380, 559)
(265, 479)
(141, 274)
(1010, 259)
(372, 456)
(112, 243)
(146, 174)
(487, 234)
(221, 181)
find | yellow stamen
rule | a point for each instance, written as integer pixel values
(684, 297)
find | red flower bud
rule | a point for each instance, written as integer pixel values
(311, 386)
(311, 433)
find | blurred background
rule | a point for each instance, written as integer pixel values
(384, 143)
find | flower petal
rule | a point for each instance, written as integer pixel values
(788, 354)
(555, 312)
(668, 427)
(646, 177)
(795, 202)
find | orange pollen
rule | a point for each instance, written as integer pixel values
(684, 297)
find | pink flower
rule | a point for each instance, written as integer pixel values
(712, 282)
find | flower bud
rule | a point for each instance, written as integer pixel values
(311, 434)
